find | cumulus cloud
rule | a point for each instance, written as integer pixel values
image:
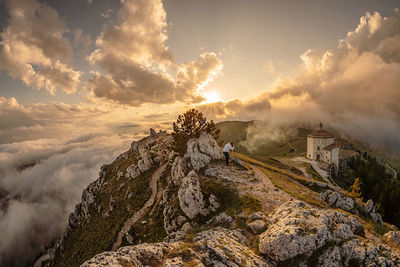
(32, 47)
(353, 87)
(43, 180)
(139, 67)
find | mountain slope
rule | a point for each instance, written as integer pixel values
(203, 213)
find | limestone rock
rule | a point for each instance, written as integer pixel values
(369, 206)
(335, 199)
(209, 146)
(224, 218)
(393, 236)
(190, 196)
(222, 247)
(174, 262)
(132, 172)
(201, 150)
(197, 159)
(330, 258)
(257, 216)
(152, 132)
(136, 256)
(214, 205)
(216, 247)
(345, 203)
(178, 170)
(134, 146)
(376, 217)
(257, 226)
(294, 230)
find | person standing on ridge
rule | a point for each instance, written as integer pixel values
(227, 147)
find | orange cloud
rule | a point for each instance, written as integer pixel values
(32, 47)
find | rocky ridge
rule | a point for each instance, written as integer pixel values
(207, 214)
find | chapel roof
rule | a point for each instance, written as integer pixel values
(321, 133)
(331, 146)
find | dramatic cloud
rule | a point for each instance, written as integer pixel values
(32, 47)
(353, 87)
(257, 108)
(139, 67)
(43, 181)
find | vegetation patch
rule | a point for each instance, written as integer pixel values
(376, 184)
(101, 230)
(314, 174)
(150, 228)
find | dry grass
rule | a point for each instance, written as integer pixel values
(294, 189)
(287, 181)
(294, 176)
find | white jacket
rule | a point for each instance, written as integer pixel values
(228, 147)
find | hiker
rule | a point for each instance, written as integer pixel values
(227, 147)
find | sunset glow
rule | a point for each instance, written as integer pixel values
(211, 97)
(81, 80)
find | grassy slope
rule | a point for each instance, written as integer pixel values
(236, 131)
(100, 232)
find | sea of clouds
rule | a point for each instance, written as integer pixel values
(41, 181)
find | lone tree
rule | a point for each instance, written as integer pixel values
(355, 189)
(189, 125)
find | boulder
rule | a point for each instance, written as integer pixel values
(369, 206)
(152, 132)
(257, 216)
(197, 159)
(345, 203)
(201, 150)
(216, 247)
(190, 196)
(214, 205)
(376, 217)
(257, 226)
(393, 236)
(223, 247)
(224, 218)
(209, 146)
(178, 171)
(295, 229)
(335, 199)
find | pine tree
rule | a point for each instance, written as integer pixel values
(190, 125)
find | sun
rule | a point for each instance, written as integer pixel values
(211, 97)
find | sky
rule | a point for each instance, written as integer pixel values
(81, 79)
(119, 61)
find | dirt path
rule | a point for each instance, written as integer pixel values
(39, 261)
(132, 220)
(270, 196)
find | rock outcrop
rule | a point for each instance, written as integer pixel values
(335, 199)
(196, 226)
(202, 150)
(190, 196)
(296, 230)
(369, 210)
(216, 247)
